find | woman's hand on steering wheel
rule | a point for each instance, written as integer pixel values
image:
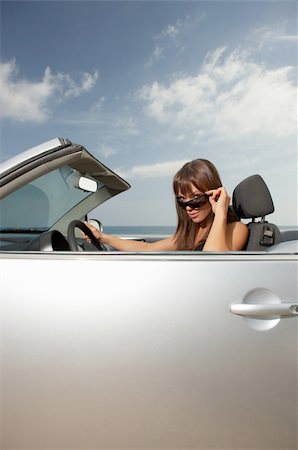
(96, 233)
(87, 233)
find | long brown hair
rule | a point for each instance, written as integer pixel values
(204, 176)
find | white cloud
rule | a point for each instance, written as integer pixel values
(232, 95)
(157, 54)
(157, 170)
(181, 27)
(171, 30)
(127, 124)
(171, 36)
(70, 88)
(277, 35)
(106, 151)
(97, 107)
(24, 100)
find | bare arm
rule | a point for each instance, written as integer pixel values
(237, 235)
(224, 236)
(129, 245)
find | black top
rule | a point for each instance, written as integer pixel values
(199, 248)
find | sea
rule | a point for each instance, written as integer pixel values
(141, 229)
(154, 230)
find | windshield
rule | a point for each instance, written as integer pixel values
(41, 203)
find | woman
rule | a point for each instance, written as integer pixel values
(205, 219)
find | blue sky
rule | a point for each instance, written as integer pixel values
(148, 85)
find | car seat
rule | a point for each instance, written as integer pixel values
(251, 200)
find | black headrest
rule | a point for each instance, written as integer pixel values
(251, 198)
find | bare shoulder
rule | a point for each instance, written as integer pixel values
(237, 234)
(237, 227)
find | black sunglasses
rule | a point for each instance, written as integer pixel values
(195, 203)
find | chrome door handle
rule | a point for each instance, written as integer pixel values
(254, 310)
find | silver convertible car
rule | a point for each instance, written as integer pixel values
(103, 349)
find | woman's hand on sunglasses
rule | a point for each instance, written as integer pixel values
(219, 200)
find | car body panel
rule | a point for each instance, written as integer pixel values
(142, 351)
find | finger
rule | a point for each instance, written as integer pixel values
(214, 192)
(212, 200)
(214, 197)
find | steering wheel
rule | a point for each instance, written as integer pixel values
(73, 245)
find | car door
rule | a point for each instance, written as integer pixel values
(149, 351)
